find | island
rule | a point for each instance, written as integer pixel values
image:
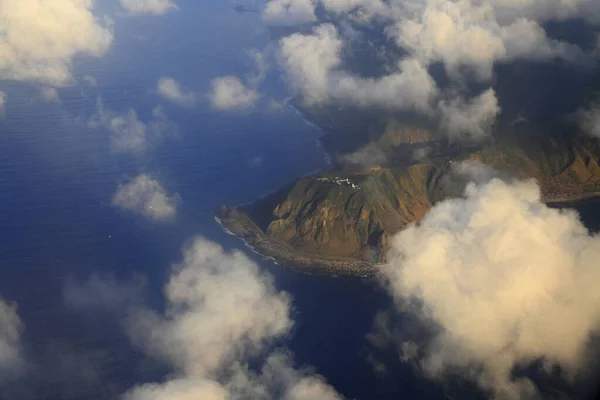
(390, 168)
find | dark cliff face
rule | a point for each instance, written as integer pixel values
(341, 214)
(349, 215)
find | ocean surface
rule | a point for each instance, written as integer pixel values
(57, 178)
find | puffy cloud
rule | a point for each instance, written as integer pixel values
(128, 134)
(10, 337)
(228, 93)
(156, 7)
(313, 65)
(257, 76)
(309, 59)
(221, 310)
(589, 120)
(502, 280)
(38, 39)
(472, 118)
(145, 196)
(461, 33)
(466, 37)
(3, 99)
(474, 171)
(290, 12)
(170, 89)
(298, 385)
(180, 389)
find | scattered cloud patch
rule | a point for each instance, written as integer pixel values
(3, 100)
(290, 12)
(421, 153)
(589, 120)
(10, 338)
(39, 38)
(145, 196)
(472, 118)
(313, 65)
(104, 293)
(156, 7)
(49, 94)
(460, 42)
(358, 10)
(171, 90)
(501, 280)
(90, 80)
(367, 156)
(464, 34)
(474, 171)
(261, 67)
(229, 93)
(129, 134)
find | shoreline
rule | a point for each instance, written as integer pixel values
(238, 224)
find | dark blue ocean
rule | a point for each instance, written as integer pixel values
(57, 178)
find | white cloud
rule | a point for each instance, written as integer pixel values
(298, 385)
(179, 389)
(474, 171)
(589, 120)
(221, 310)
(145, 196)
(38, 39)
(309, 59)
(313, 65)
(504, 280)
(473, 118)
(171, 90)
(462, 33)
(3, 99)
(228, 93)
(290, 12)
(10, 338)
(128, 134)
(50, 94)
(156, 7)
